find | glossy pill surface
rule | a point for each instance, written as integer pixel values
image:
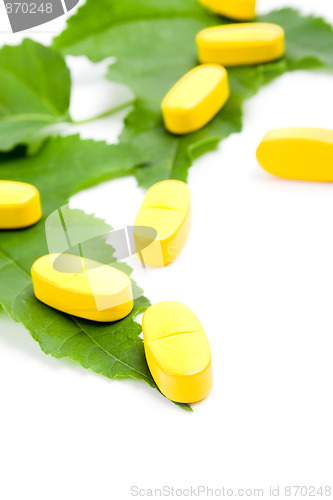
(19, 205)
(298, 153)
(82, 287)
(240, 10)
(195, 99)
(241, 44)
(166, 208)
(177, 352)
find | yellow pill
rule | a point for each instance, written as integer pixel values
(166, 208)
(298, 153)
(177, 352)
(195, 99)
(19, 205)
(82, 287)
(241, 44)
(240, 10)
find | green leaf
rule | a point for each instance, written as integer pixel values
(154, 43)
(63, 166)
(34, 93)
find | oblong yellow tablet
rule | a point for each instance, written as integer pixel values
(166, 208)
(177, 352)
(298, 153)
(241, 44)
(83, 287)
(195, 99)
(19, 205)
(240, 10)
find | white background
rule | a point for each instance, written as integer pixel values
(258, 272)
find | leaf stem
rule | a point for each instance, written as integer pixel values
(110, 112)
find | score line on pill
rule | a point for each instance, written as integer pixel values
(177, 352)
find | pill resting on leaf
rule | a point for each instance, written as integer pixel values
(82, 287)
(167, 209)
(177, 352)
(19, 205)
(240, 10)
(298, 153)
(195, 99)
(240, 44)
